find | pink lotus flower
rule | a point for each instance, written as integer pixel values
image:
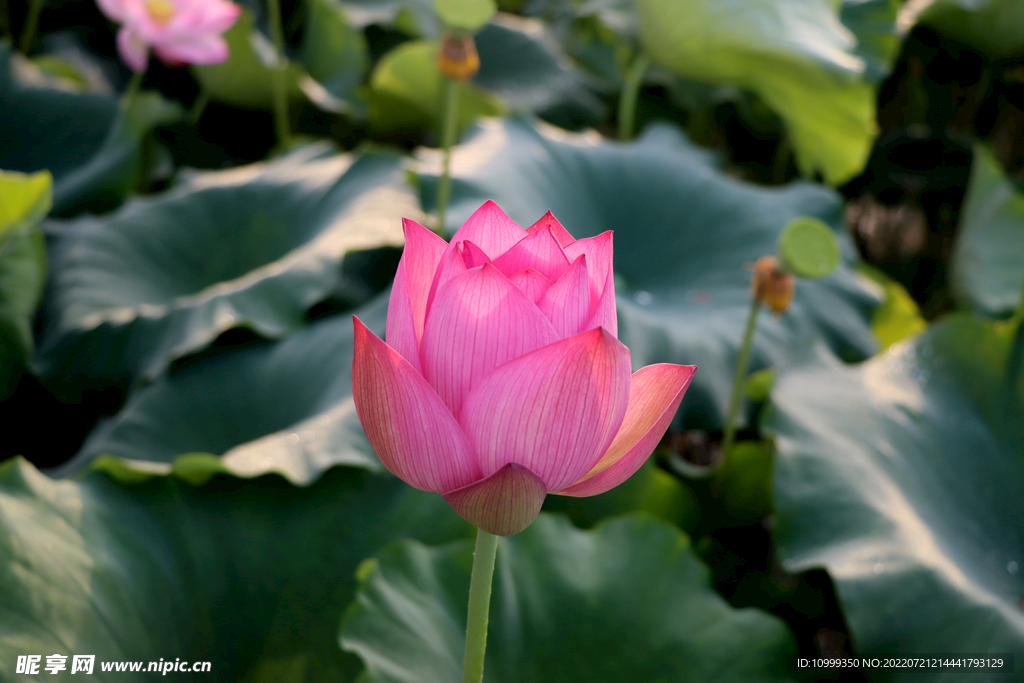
(179, 31)
(502, 378)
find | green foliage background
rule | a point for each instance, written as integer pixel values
(184, 475)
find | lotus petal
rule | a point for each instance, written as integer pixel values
(567, 302)
(554, 410)
(409, 427)
(531, 283)
(548, 220)
(478, 321)
(540, 251)
(490, 229)
(407, 308)
(654, 397)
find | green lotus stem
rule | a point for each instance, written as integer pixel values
(280, 95)
(630, 94)
(738, 380)
(199, 106)
(28, 33)
(1019, 313)
(479, 606)
(131, 91)
(449, 130)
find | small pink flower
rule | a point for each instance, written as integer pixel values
(502, 378)
(179, 31)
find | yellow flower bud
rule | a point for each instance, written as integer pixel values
(458, 58)
(772, 286)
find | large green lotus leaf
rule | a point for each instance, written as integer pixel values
(92, 151)
(334, 51)
(251, 576)
(996, 27)
(685, 236)
(250, 247)
(413, 17)
(873, 22)
(407, 91)
(24, 202)
(898, 317)
(903, 477)
(246, 78)
(522, 64)
(628, 601)
(331, 64)
(795, 54)
(987, 264)
(283, 407)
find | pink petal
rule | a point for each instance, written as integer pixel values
(504, 503)
(567, 302)
(604, 313)
(218, 17)
(478, 321)
(554, 410)
(598, 251)
(490, 229)
(115, 10)
(409, 427)
(202, 49)
(654, 398)
(540, 251)
(210, 17)
(452, 265)
(531, 283)
(548, 220)
(134, 50)
(473, 255)
(407, 308)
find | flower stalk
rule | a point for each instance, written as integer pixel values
(630, 95)
(199, 106)
(479, 606)
(28, 33)
(131, 91)
(281, 124)
(738, 380)
(773, 286)
(449, 130)
(458, 61)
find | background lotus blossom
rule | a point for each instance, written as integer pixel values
(179, 31)
(502, 378)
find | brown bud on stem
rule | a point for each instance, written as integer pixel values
(458, 58)
(772, 286)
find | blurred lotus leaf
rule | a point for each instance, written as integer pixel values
(255, 246)
(987, 264)
(627, 601)
(902, 477)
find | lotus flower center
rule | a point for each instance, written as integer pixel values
(162, 11)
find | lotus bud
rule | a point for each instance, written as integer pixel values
(771, 285)
(458, 58)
